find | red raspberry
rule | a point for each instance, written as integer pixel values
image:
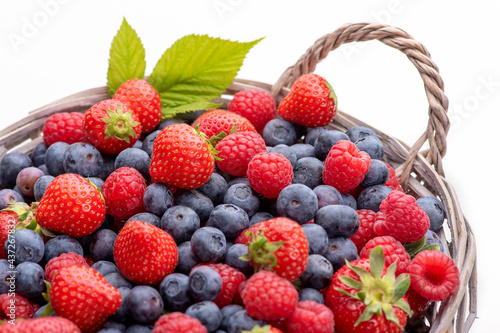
(23, 308)
(63, 126)
(178, 322)
(310, 317)
(267, 296)
(434, 275)
(64, 260)
(8, 220)
(393, 181)
(236, 150)
(345, 166)
(212, 122)
(269, 173)
(393, 250)
(47, 324)
(123, 192)
(365, 231)
(258, 106)
(400, 217)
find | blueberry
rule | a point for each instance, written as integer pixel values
(243, 196)
(148, 142)
(10, 166)
(174, 290)
(97, 182)
(233, 259)
(38, 154)
(303, 150)
(101, 245)
(149, 218)
(30, 278)
(215, 188)
(137, 144)
(198, 202)
(205, 283)
(318, 273)
(208, 244)
(54, 158)
(6, 275)
(144, 304)
(240, 321)
(138, 328)
(433, 239)
(83, 159)
(349, 200)
(308, 171)
(311, 294)
(278, 131)
(121, 315)
(187, 259)
(227, 311)
(134, 158)
(227, 177)
(297, 202)
(108, 166)
(43, 167)
(356, 133)
(230, 219)
(158, 198)
(326, 140)
(105, 267)
(113, 326)
(61, 244)
(207, 312)
(117, 280)
(260, 217)
(434, 210)
(317, 238)
(313, 134)
(377, 174)
(27, 246)
(180, 222)
(338, 220)
(190, 116)
(7, 195)
(171, 121)
(26, 179)
(286, 151)
(371, 197)
(327, 195)
(339, 249)
(372, 146)
(39, 312)
(238, 180)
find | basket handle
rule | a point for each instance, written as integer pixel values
(438, 124)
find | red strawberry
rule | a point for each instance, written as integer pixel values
(82, 295)
(268, 296)
(258, 106)
(123, 192)
(213, 122)
(8, 327)
(310, 317)
(14, 306)
(269, 173)
(275, 244)
(53, 324)
(311, 102)
(178, 322)
(72, 206)
(64, 260)
(365, 231)
(181, 158)
(394, 251)
(111, 126)
(8, 221)
(143, 99)
(144, 254)
(63, 126)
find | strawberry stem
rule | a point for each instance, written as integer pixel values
(120, 125)
(261, 251)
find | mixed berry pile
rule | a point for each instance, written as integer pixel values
(259, 218)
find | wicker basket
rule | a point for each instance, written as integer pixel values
(420, 171)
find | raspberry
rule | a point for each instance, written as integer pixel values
(23, 308)
(236, 150)
(393, 250)
(400, 217)
(63, 126)
(418, 304)
(345, 166)
(365, 231)
(269, 173)
(267, 296)
(178, 322)
(393, 181)
(231, 279)
(213, 122)
(434, 275)
(258, 106)
(310, 317)
(64, 260)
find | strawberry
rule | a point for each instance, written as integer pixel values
(8, 221)
(143, 99)
(144, 254)
(111, 126)
(53, 324)
(274, 244)
(63, 126)
(82, 295)
(181, 157)
(213, 122)
(311, 102)
(72, 206)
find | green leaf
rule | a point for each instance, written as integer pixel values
(196, 68)
(47, 311)
(377, 261)
(127, 58)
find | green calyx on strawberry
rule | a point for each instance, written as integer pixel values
(261, 251)
(378, 294)
(210, 141)
(120, 125)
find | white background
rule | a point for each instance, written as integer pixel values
(52, 48)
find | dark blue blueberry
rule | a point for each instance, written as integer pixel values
(117, 280)
(98, 182)
(227, 311)
(318, 273)
(108, 166)
(205, 283)
(137, 144)
(207, 312)
(326, 140)
(54, 158)
(311, 294)
(61, 244)
(377, 174)
(105, 267)
(198, 202)
(308, 171)
(286, 151)
(7, 195)
(241, 321)
(148, 142)
(208, 244)
(7, 274)
(358, 132)
(303, 150)
(317, 238)
(301, 131)
(39, 312)
(144, 304)
(108, 222)
(83, 159)
(101, 245)
(434, 210)
(112, 326)
(134, 158)
(38, 154)
(10, 166)
(26, 244)
(174, 290)
(227, 177)
(349, 200)
(158, 198)
(229, 219)
(215, 188)
(121, 315)
(372, 146)
(313, 134)
(238, 180)
(138, 328)
(190, 116)
(339, 249)
(43, 167)
(297, 202)
(371, 197)
(30, 279)
(327, 195)
(149, 218)
(433, 239)
(233, 259)
(171, 121)
(260, 217)
(187, 259)
(243, 196)
(278, 131)
(180, 222)
(338, 220)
